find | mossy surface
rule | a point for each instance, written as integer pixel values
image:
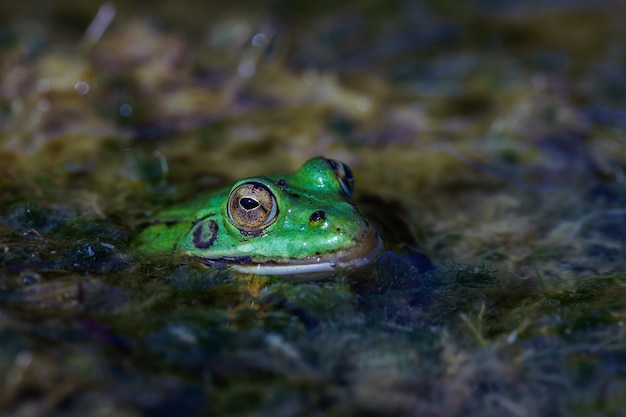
(488, 141)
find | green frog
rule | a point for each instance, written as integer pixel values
(276, 224)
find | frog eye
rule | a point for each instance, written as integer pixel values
(344, 174)
(252, 207)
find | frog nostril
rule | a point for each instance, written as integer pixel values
(317, 216)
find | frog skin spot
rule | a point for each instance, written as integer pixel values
(283, 184)
(200, 240)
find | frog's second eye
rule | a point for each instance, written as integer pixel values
(252, 207)
(344, 174)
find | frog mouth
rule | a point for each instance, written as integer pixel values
(352, 258)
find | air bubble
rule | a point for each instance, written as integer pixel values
(81, 87)
(260, 40)
(126, 110)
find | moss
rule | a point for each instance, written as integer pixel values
(476, 276)
(487, 143)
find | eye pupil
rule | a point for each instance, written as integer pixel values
(248, 203)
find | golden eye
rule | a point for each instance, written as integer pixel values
(252, 207)
(344, 174)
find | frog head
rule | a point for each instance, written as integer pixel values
(290, 224)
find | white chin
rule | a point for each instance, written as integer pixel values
(321, 266)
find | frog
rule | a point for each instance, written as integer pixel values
(301, 223)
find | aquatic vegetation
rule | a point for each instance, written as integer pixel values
(488, 144)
